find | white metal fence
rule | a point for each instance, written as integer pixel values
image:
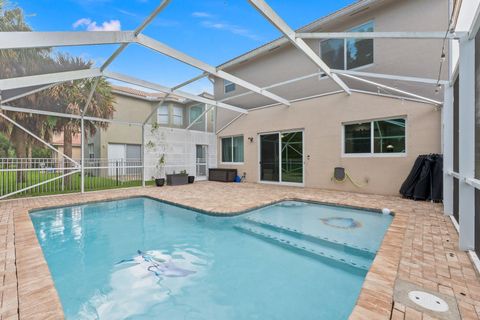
(44, 176)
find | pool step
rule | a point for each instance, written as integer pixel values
(348, 248)
(326, 254)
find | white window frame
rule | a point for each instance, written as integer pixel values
(227, 83)
(221, 150)
(345, 67)
(259, 150)
(372, 153)
(159, 113)
(174, 116)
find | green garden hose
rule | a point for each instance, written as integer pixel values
(349, 178)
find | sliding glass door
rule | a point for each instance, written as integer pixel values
(292, 157)
(269, 157)
(281, 157)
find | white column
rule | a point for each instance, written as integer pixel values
(467, 143)
(447, 149)
(82, 156)
(143, 155)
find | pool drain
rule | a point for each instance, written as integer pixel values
(428, 301)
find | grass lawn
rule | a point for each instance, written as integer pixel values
(9, 182)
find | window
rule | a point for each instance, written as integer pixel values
(162, 115)
(232, 149)
(178, 116)
(360, 51)
(91, 151)
(228, 86)
(383, 136)
(358, 138)
(333, 53)
(348, 53)
(389, 136)
(195, 112)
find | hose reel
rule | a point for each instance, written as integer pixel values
(340, 175)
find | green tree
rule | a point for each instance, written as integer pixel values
(71, 97)
(68, 97)
(6, 148)
(18, 63)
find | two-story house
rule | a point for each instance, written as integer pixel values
(169, 117)
(374, 133)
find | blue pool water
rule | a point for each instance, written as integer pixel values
(144, 259)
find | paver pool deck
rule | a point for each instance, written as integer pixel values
(420, 246)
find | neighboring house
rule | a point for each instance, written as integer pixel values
(376, 135)
(57, 142)
(122, 142)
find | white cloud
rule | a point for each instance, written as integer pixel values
(127, 13)
(89, 25)
(201, 14)
(81, 22)
(231, 28)
(208, 21)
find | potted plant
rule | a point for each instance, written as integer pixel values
(160, 180)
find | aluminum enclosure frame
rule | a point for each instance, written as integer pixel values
(20, 40)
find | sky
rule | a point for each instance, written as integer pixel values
(213, 31)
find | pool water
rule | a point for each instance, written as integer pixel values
(144, 259)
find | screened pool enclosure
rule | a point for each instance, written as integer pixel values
(282, 151)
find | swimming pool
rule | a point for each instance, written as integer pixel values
(141, 259)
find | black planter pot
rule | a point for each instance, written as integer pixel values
(191, 179)
(177, 179)
(160, 182)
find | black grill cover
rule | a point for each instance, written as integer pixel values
(425, 181)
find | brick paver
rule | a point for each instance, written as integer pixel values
(420, 246)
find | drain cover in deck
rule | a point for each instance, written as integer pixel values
(428, 301)
(435, 304)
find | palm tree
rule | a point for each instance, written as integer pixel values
(17, 63)
(71, 97)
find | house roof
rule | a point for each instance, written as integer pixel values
(352, 9)
(206, 95)
(150, 96)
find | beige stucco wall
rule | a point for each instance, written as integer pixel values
(321, 119)
(136, 110)
(407, 57)
(76, 152)
(126, 109)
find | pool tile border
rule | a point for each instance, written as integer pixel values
(214, 213)
(38, 299)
